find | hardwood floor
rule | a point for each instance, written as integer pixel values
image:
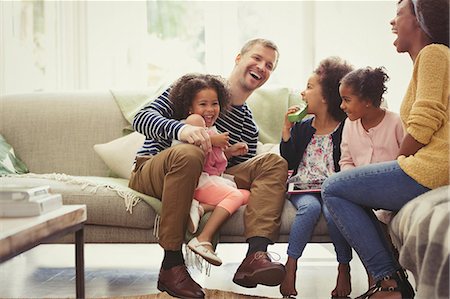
(47, 271)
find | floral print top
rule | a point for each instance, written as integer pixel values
(316, 165)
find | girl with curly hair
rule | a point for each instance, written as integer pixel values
(198, 100)
(312, 150)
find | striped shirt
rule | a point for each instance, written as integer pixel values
(156, 123)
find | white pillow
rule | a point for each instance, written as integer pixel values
(119, 154)
(268, 148)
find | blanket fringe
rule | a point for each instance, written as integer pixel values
(156, 225)
(130, 199)
(193, 259)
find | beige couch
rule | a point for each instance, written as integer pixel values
(54, 134)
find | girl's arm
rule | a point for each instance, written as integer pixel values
(346, 161)
(221, 140)
(287, 126)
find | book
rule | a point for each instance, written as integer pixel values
(20, 192)
(37, 205)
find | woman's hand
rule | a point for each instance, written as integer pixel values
(221, 140)
(286, 131)
(237, 149)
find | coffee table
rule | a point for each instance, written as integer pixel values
(20, 234)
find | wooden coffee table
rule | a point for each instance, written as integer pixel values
(20, 234)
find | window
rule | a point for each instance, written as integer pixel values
(57, 45)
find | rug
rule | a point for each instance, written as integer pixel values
(212, 294)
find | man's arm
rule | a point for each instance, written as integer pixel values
(155, 122)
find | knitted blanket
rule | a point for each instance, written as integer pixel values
(93, 183)
(421, 233)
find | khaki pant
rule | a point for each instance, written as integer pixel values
(265, 176)
(172, 175)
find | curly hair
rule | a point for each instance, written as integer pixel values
(368, 83)
(183, 91)
(435, 16)
(330, 72)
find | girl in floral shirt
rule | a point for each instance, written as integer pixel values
(312, 150)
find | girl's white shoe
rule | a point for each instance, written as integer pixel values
(210, 256)
(195, 214)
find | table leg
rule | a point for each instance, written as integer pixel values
(79, 262)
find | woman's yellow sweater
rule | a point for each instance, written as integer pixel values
(425, 116)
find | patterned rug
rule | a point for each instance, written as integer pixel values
(216, 294)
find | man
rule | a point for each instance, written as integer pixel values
(171, 173)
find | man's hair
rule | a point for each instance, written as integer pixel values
(261, 41)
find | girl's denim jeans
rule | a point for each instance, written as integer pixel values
(309, 208)
(350, 197)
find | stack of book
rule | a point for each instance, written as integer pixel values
(22, 201)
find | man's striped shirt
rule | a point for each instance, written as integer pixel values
(156, 123)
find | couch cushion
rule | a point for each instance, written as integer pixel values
(58, 130)
(119, 154)
(104, 206)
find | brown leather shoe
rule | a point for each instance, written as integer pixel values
(178, 283)
(257, 268)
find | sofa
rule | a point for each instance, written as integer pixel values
(54, 134)
(79, 143)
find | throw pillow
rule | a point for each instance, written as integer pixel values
(119, 154)
(9, 162)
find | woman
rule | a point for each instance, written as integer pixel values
(423, 161)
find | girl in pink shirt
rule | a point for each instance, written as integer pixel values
(371, 133)
(198, 99)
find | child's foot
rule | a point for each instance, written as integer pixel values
(343, 282)
(205, 250)
(195, 214)
(287, 286)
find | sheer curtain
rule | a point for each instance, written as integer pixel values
(70, 45)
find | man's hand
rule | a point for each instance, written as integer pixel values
(221, 140)
(197, 136)
(237, 149)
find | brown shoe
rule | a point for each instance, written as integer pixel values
(257, 268)
(178, 283)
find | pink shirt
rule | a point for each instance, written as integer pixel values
(215, 160)
(381, 143)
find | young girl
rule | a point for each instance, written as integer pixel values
(199, 99)
(371, 134)
(312, 150)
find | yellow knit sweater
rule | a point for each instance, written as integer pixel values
(425, 116)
